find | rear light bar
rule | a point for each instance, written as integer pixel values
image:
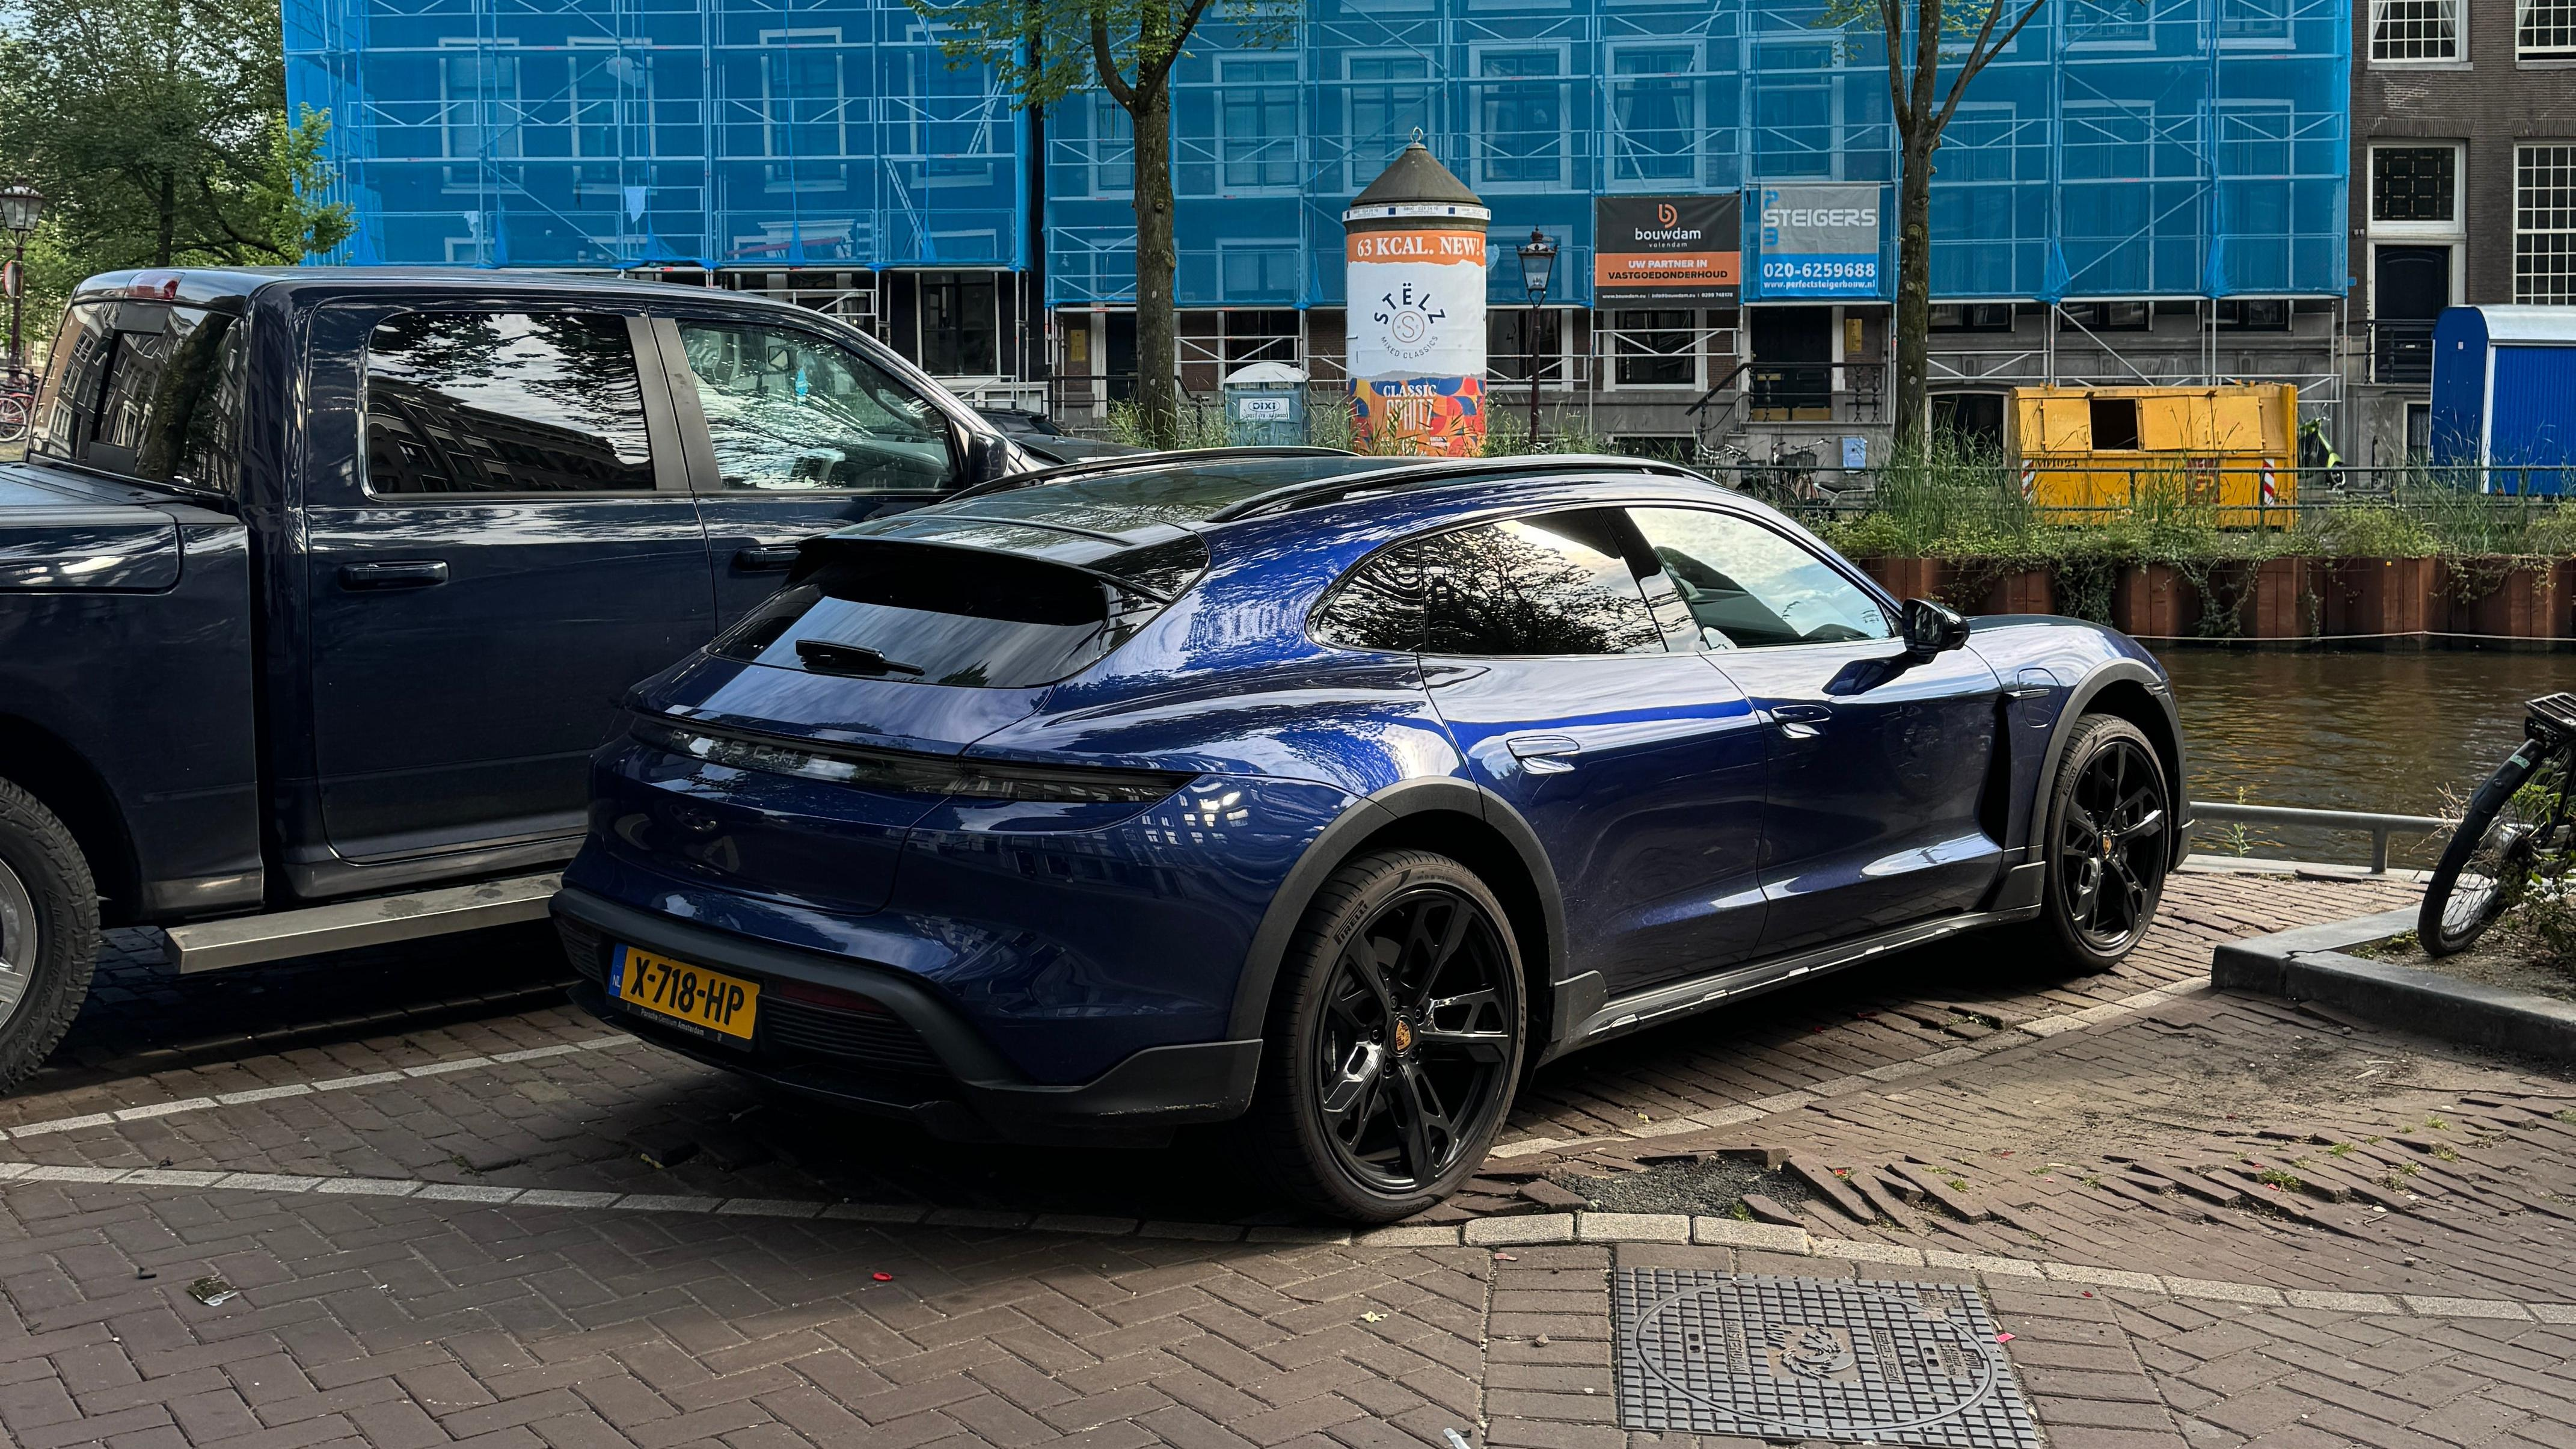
(910, 774)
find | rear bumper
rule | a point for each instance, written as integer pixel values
(928, 1066)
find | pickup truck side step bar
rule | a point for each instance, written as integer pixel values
(372, 921)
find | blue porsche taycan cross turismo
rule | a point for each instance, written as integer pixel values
(1333, 795)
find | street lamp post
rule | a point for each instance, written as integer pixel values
(21, 205)
(1538, 267)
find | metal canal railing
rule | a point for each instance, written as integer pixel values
(2380, 828)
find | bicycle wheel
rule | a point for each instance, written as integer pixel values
(13, 417)
(2492, 854)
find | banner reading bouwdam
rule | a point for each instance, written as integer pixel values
(1668, 249)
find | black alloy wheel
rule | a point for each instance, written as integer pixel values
(1396, 1039)
(2110, 825)
(1414, 1048)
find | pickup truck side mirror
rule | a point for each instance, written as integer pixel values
(987, 456)
(1932, 628)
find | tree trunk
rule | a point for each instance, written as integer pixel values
(165, 241)
(1157, 259)
(1914, 294)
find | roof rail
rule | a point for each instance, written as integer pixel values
(1446, 470)
(1099, 466)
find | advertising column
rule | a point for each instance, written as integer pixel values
(1415, 252)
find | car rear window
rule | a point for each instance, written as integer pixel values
(147, 390)
(936, 614)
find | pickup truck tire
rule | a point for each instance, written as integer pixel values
(48, 933)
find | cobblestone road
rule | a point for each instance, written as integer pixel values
(408, 1199)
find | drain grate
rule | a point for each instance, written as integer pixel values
(1810, 1358)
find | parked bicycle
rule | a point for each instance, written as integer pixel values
(2514, 835)
(17, 406)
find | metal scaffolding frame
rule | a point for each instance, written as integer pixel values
(2120, 149)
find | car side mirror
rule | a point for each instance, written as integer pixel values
(1932, 628)
(987, 457)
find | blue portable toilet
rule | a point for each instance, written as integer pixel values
(2504, 396)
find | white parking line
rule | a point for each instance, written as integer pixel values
(310, 1086)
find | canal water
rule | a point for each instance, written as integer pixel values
(2396, 732)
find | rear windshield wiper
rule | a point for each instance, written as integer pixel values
(825, 657)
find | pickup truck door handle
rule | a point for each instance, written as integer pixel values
(1799, 721)
(1543, 754)
(765, 558)
(421, 573)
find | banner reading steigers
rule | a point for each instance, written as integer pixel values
(1819, 241)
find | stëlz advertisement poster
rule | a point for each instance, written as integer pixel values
(1417, 338)
(1819, 241)
(1687, 249)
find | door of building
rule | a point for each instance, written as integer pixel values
(2410, 285)
(1793, 362)
(1122, 357)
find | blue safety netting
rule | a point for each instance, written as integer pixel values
(2121, 148)
(626, 133)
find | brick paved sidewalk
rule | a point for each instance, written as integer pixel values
(714, 1303)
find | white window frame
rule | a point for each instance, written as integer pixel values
(1564, 80)
(1695, 82)
(2561, 54)
(2453, 230)
(1295, 85)
(1608, 334)
(506, 120)
(2144, 42)
(1359, 170)
(776, 47)
(2459, 55)
(2565, 292)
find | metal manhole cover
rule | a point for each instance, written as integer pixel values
(1809, 1358)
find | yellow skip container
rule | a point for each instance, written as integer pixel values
(2088, 451)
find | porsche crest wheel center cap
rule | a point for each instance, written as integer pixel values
(1403, 1035)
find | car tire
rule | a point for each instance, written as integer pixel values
(1396, 1033)
(48, 933)
(2101, 894)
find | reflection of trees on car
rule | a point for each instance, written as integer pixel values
(503, 402)
(1533, 587)
(785, 412)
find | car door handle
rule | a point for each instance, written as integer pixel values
(1543, 754)
(419, 573)
(1799, 721)
(765, 558)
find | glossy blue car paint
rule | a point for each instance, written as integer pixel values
(1107, 964)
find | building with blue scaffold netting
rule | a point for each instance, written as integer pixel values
(2137, 190)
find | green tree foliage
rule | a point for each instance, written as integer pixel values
(1048, 50)
(157, 130)
(1924, 39)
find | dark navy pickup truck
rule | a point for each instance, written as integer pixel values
(319, 587)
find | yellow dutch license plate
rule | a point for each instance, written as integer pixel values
(708, 1000)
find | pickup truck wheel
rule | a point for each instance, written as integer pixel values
(48, 933)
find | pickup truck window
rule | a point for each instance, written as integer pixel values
(788, 411)
(149, 391)
(504, 402)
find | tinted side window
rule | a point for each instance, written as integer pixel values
(1559, 583)
(148, 390)
(1377, 606)
(1750, 588)
(504, 402)
(788, 411)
